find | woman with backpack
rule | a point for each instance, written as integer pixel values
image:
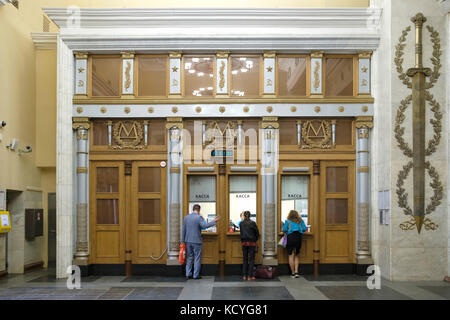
(249, 236)
(294, 227)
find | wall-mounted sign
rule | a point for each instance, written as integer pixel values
(222, 153)
(5, 222)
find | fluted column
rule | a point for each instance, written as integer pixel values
(174, 186)
(363, 124)
(269, 169)
(81, 125)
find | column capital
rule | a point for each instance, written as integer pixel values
(176, 122)
(316, 54)
(127, 55)
(80, 54)
(364, 122)
(268, 122)
(364, 54)
(222, 54)
(175, 54)
(270, 54)
(81, 123)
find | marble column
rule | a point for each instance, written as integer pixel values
(363, 255)
(174, 188)
(269, 169)
(64, 162)
(81, 125)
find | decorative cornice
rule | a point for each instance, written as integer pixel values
(161, 30)
(45, 40)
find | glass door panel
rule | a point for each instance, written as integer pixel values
(202, 191)
(294, 196)
(242, 197)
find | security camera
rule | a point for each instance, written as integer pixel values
(2, 124)
(28, 149)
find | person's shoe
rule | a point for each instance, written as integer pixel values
(244, 278)
(296, 275)
(251, 278)
(293, 275)
(198, 278)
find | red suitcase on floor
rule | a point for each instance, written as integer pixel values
(265, 272)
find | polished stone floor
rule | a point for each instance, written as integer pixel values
(42, 285)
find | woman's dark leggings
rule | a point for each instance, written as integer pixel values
(249, 260)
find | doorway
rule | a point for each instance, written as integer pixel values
(51, 250)
(127, 213)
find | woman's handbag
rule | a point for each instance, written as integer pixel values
(283, 241)
(182, 256)
(265, 272)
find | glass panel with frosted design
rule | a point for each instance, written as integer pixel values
(291, 76)
(337, 211)
(339, 77)
(149, 211)
(242, 195)
(294, 196)
(107, 179)
(149, 179)
(152, 76)
(337, 179)
(106, 77)
(202, 191)
(199, 76)
(245, 76)
(107, 211)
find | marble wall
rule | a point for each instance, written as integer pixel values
(408, 255)
(21, 251)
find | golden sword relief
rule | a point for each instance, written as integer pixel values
(418, 75)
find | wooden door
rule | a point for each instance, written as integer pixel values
(107, 207)
(148, 207)
(337, 214)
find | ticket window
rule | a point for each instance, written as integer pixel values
(294, 196)
(242, 197)
(202, 191)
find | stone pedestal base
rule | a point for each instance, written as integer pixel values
(173, 262)
(270, 261)
(363, 259)
(80, 261)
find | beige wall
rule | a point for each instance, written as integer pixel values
(24, 96)
(45, 108)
